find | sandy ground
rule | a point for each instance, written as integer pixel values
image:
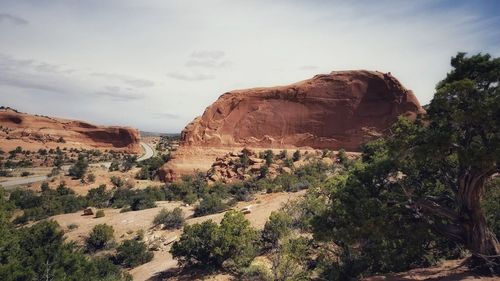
(452, 270)
(127, 224)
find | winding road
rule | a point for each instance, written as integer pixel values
(11, 183)
(148, 152)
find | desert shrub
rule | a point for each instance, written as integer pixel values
(268, 157)
(277, 227)
(30, 253)
(296, 156)
(170, 219)
(100, 237)
(99, 214)
(188, 189)
(79, 169)
(114, 166)
(211, 245)
(132, 253)
(25, 174)
(73, 226)
(117, 181)
(342, 157)
(121, 197)
(210, 204)
(149, 167)
(289, 261)
(91, 178)
(98, 197)
(48, 203)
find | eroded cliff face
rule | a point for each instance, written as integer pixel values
(342, 109)
(34, 132)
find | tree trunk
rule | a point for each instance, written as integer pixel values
(479, 239)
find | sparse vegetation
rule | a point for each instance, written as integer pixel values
(211, 245)
(100, 237)
(170, 219)
(79, 169)
(132, 253)
(99, 214)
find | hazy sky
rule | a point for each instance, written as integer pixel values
(155, 65)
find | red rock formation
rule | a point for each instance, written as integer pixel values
(342, 109)
(33, 132)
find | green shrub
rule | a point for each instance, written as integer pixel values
(170, 219)
(210, 204)
(117, 181)
(211, 245)
(132, 253)
(100, 237)
(99, 214)
(277, 227)
(79, 169)
(73, 226)
(98, 197)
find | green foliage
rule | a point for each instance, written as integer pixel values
(189, 189)
(296, 155)
(99, 214)
(211, 204)
(211, 245)
(100, 237)
(289, 261)
(491, 205)
(98, 197)
(149, 167)
(137, 199)
(170, 219)
(79, 169)
(114, 166)
(277, 227)
(132, 253)
(268, 157)
(342, 157)
(197, 244)
(48, 203)
(40, 253)
(91, 178)
(244, 160)
(117, 181)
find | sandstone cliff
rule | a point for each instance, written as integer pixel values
(33, 132)
(342, 109)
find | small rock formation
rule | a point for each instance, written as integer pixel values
(33, 132)
(343, 109)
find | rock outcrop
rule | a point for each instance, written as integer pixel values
(342, 109)
(33, 132)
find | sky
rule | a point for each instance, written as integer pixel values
(155, 65)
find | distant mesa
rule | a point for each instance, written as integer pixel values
(33, 132)
(343, 109)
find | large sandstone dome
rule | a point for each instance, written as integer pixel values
(342, 109)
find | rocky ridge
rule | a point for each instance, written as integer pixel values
(33, 132)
